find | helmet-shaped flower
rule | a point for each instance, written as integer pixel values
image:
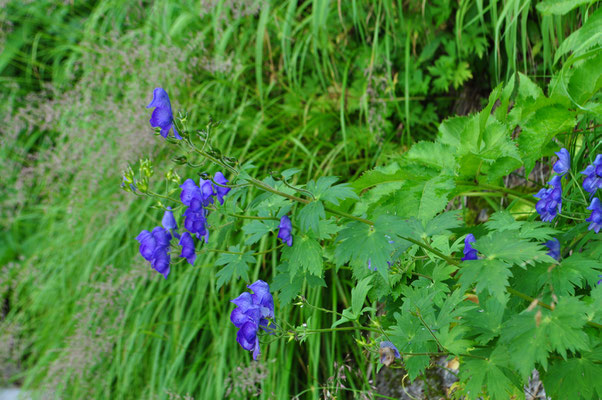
(162, 116)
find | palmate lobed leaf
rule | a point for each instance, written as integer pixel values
(289, 286)
(324, 190)
(309, 217)
(560, 330)
(510, 248)
(491, 376)
(367, 245)
(257, 229)
(576, 270)
(577, 378)
(236, 266)
(490, 275)
(305, 255)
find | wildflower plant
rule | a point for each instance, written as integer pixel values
(515, 293)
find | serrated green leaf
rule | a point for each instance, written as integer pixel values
(257, 229)
(328, 228)
(380, 176)
(492, 275)
(236, 266)
(309, 217)
(442, 223)
(289, 287)
(486, 321)
(576, 270)
(410, 337)
(427, 197)
(490, 376)
(286, 287)
(537, 230)
(433, 154)
(559, 330)
(450, 131)
(304, 255)
(324, 190)
(509, 247)
(576, 378)
(454, 339)
(502, 221)
(363, 244)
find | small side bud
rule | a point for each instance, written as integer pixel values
(146, 168)
(180, 160)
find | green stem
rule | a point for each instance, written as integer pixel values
(494, 194)
(499, 189)
(346, 328)
(153, 194)
(441, 348)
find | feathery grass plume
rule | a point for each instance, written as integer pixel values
(97, 321)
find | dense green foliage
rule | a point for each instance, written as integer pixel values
(352, 89)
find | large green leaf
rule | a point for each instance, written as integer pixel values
(531, 338)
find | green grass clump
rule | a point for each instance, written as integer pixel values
(328, 87)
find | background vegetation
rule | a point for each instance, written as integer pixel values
(329, 87)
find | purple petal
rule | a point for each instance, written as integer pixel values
(160, 99)
(168, 221)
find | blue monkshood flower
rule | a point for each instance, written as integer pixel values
(262, 296)
(599, 276)
(554, 247)
(220, 190)
(550, 202)
(190, 192)
(593, 180)
(285, 230)
(207, 192)
(162, 116)
(563, 164)
(196, 222)
(388, 353)
(169, 223)
(596, 217)
(154, 247)
(469, 252)
(197, 196)
(251, 313)
(188, 250)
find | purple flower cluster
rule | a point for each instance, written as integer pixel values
(154, 246)
(162, 116)
(593, 180)
(469, 252)
(199, 197)
(550, 203)
(550, 200)
(251, 313)
(285, 230)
